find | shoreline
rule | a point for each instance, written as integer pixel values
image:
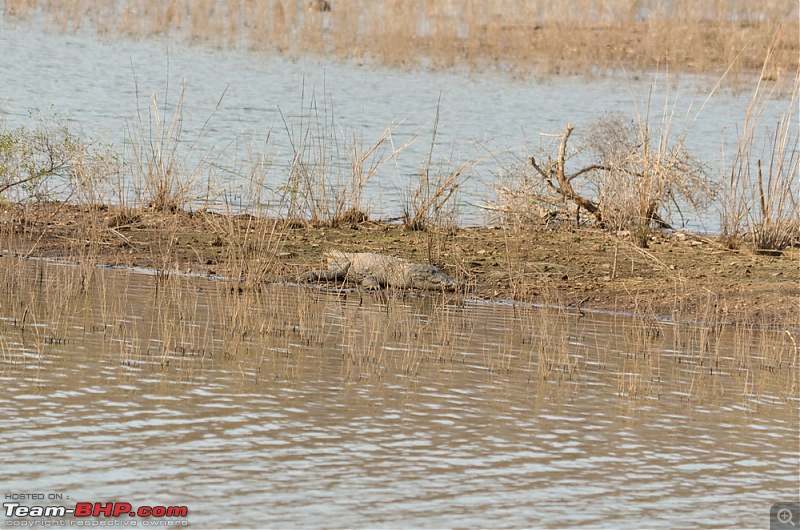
(681, 276)
(519, 38)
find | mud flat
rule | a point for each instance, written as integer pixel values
(680, 275)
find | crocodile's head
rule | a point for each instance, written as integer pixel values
(432, 279)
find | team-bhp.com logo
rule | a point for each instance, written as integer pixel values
(163, 515)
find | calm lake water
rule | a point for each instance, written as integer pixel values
(92, 82)
(298, 408)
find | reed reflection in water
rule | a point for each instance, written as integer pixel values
(294, 407)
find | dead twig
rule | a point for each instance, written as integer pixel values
(563, 183)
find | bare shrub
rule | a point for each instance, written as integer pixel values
(641, 176)
(49, 162)
(524, 199)
(430, 203)
(635, 179)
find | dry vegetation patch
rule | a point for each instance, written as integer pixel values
(680, 275)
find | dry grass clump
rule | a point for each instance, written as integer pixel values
(331, 166)
(164, 167)
(578, 36)
(431, 204)
(761, 203)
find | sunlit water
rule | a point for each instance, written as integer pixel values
(493, 117)
(353, 411)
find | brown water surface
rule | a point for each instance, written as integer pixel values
(295, 407)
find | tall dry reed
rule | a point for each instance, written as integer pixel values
(761, 200)
(331, 166)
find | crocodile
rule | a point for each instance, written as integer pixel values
(374, 271)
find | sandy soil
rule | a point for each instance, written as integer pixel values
(680, 275)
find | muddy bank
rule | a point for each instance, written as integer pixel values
(680, 275)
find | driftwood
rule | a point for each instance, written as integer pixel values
(373, 271)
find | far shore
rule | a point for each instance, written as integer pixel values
(680, 275)
(521, 37)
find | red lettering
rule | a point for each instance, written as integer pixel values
(177, 511)
(111, 509)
